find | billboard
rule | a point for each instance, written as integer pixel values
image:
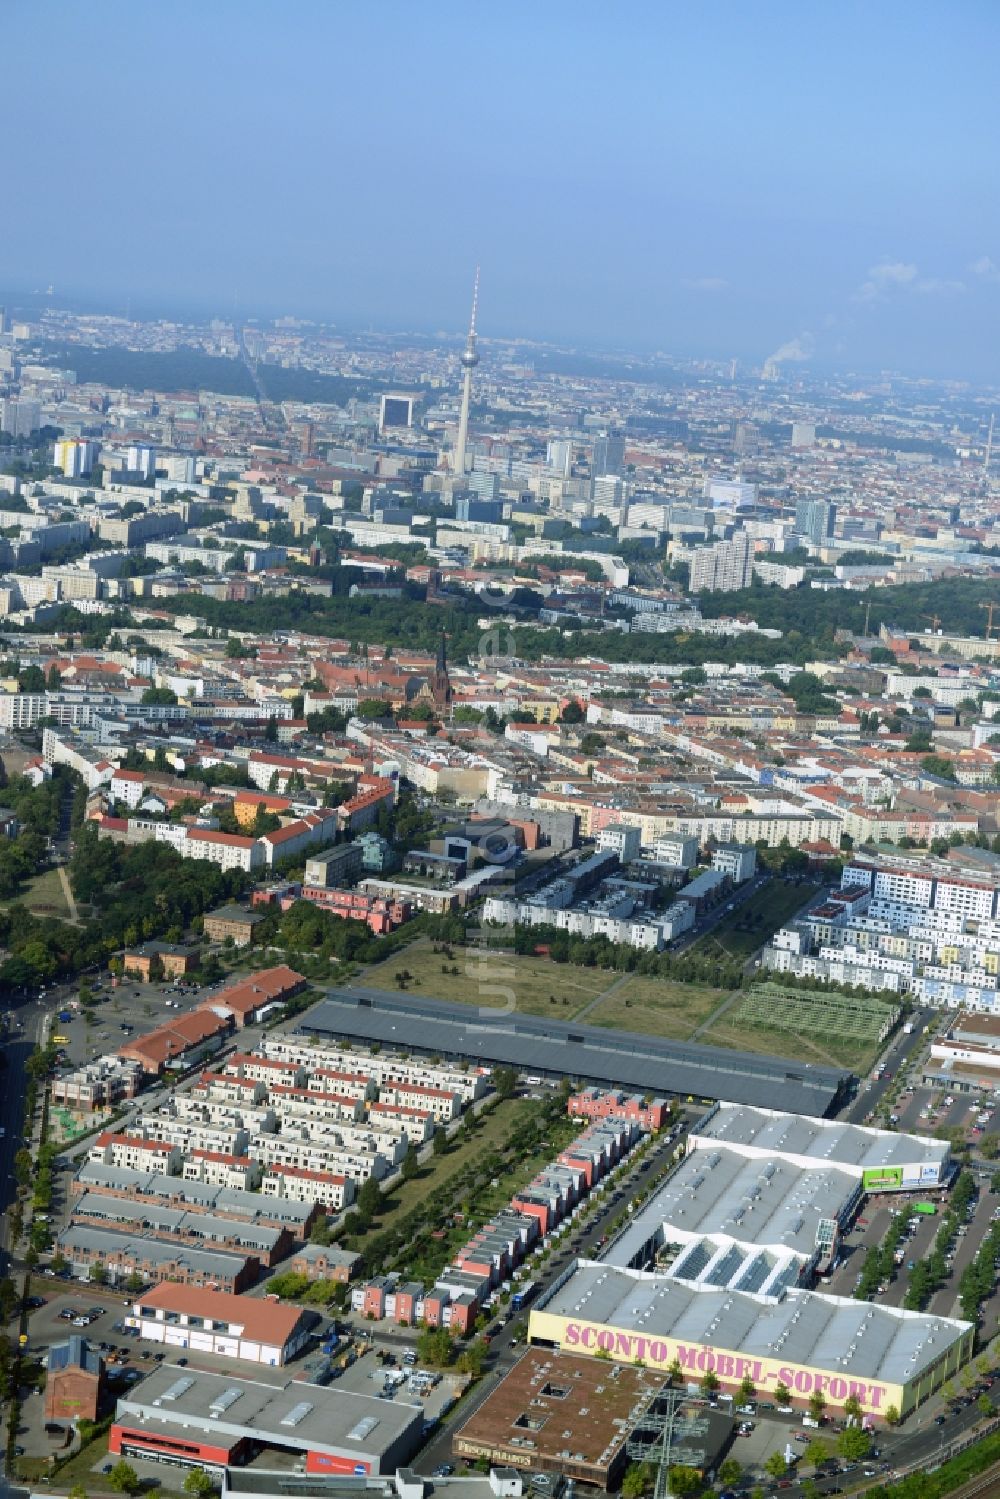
(882, 1178)
(698, 1359)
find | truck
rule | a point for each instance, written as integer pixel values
(523, 1295)
(925, 1207)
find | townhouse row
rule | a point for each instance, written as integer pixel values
(495, 1251)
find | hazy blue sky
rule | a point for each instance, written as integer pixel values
(701, 177)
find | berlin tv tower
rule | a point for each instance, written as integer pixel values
(470, 358)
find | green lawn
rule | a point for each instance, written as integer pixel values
(751, 925)
(43, 894)
(797, 1046)
(533, 986)
(494, 1130)
(657, 1007)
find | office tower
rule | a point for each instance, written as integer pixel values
(803, 434)
(180, 468)
(722, 568)
(4, 325)
(815, 520)
(609, 454)
(470, 507)
(559, 455)
(470, 358)
(20, 418)
(730, 494)
(484, 484)
(395, 411)
(75, 456)
(141, 460)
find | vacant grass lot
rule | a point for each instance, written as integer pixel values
(756, 920)
(534, 986)
(43, 894)
(798, 1046)
(657, 1007)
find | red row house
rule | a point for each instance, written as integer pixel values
(381, 914)
(649, 1114)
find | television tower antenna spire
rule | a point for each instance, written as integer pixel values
(470, 358)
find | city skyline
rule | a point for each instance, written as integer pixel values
(711, 184)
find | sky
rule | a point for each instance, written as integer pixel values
(709, 178)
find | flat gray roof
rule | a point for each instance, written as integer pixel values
(149, 1186)
(821, 1140)
(324, 1419)
(825, 1332)
(645, 1064)
(769, 1204)
(149, 1251)
(156, 1218)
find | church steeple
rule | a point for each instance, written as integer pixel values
(441, 692)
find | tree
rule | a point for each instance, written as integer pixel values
(77, 1492)
(984, 1405)
(817, 1405)
(674, 1371)
(435, 1347)
(638, 1480)
(853, 1444)
(504, 1081)
(730, 1473)
(892, 1417)
(123, 1478)
(782, 1394)
(852, 1407)
(709, 1383)
(684, 1480)
(747, 1390)
(817, 1452)
(439, 1140)
(163, 697)
(369, 1199)
(572, 713)
(411, 1166)
(98, 1274)
(776, 1465)
(198, 1483)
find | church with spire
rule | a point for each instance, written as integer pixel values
(440, 683)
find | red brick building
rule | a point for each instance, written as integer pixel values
(74, 1381)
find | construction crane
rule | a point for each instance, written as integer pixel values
(990, 608)
(935, 620)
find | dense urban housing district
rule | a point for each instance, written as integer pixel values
(499, 917)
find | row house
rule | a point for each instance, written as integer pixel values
(649, 1114)
(220, 1168)
(384, 1068)
(265, 1069)
(227, 850)
(358, 1165)
(348, 1084)
(308, 831)
(195, 1196)
(191, 1134)
(317, 1105)
(219, 1087)
(197, 1105)
(123, 1255)
(442, 1103)
(328, 1189)
(325, 1262)
(136, 1153)
(381, 914)
(413, 1124)
(178, 1226)
(362, 1139)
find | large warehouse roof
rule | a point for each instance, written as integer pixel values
(828, 1332)
(646, 1064)
(772, 1204)
(823, 1141)
(288, 1413)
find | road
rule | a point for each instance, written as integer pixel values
(899, 1053)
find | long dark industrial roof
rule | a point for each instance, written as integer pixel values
(585, 1052)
